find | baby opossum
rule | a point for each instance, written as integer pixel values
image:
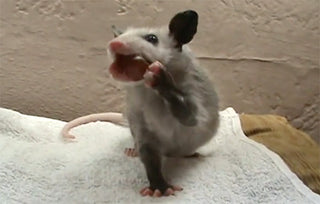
(172, 107)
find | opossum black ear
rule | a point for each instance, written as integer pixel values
(183, 26)
(115, 31)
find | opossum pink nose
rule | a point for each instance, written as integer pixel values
(116, 46)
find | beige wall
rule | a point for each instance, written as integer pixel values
(263, 55)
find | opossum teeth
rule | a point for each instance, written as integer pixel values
(144, 58)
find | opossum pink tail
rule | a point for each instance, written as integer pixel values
(112, 117)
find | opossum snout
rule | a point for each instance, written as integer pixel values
(116, 46)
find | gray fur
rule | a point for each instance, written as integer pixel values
(156, 114)
(146, 109)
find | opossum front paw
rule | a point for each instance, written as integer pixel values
(156, 76)
(131, 152)
(161, 191)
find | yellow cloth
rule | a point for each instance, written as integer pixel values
(296, 148)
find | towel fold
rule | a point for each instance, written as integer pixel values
(37, 166)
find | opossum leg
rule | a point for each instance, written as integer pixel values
(151, 159)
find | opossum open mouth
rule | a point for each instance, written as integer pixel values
(128, 67)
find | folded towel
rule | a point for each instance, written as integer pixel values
(37, 166)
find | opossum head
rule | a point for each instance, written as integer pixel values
(136, 48)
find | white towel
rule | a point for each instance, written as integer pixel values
(37, 166)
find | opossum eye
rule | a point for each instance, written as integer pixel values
(151, 38)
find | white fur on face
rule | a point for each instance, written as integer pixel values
(133, 38)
